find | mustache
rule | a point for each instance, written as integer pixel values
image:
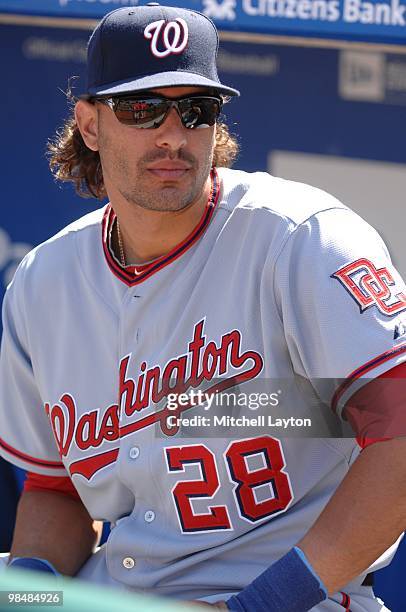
(162, 155)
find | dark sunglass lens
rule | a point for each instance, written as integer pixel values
(141, 113)
(199, 112)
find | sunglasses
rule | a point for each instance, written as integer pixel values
(150, 112)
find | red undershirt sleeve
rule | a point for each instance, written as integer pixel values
(377, 412)
(58, 484)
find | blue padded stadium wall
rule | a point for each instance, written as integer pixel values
(292, 101)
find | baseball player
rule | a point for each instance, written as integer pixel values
(198, 278)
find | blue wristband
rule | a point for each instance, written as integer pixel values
(289, 585)
(33, 563)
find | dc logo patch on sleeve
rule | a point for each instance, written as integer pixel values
(371, 286)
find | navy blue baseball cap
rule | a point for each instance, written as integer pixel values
(134, 49)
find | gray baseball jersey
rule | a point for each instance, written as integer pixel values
(278, 280)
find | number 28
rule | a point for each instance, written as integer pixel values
(247, 482)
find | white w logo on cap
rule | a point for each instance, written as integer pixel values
(174, 36)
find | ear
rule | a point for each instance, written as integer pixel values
(87, 122)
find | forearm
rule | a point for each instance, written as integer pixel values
(363, 518)
(55, 527)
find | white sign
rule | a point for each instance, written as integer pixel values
(361, 76)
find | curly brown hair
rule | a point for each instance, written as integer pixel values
(71, 160)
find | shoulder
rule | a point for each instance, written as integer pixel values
(291, 202)
(52, 260)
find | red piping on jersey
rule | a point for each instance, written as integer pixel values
(133, 275)
(38, 462)
(346, 601)
(367, 367)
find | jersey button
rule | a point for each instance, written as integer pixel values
(134, 452)
(128, 562)
(149, 516)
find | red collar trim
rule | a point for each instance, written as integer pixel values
(133, 275)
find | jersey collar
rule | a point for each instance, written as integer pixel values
(133, 275)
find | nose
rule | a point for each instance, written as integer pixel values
(171, 135)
